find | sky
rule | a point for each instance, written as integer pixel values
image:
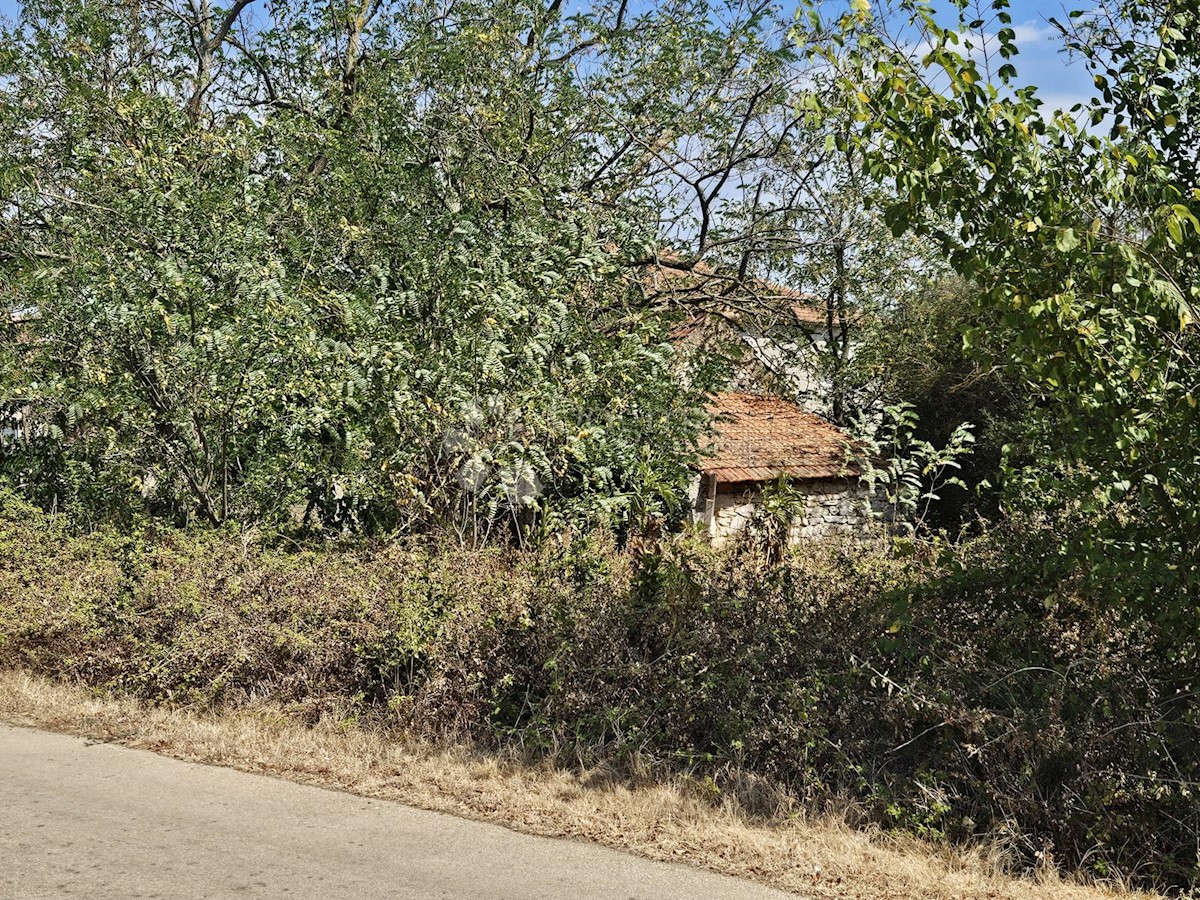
(1060, 83)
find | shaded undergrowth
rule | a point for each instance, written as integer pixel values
(938, 692)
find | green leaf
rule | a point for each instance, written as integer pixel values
(1066, 240)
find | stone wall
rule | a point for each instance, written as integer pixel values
(835, 506)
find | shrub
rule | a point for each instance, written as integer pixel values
(955, 694)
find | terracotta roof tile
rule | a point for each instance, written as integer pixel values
(673, 276)
(759, 438)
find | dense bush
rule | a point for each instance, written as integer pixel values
(948, 699)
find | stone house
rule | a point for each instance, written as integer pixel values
(772, 421)
(780, 341)
(759, 439)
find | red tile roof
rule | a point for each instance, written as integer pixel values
(809, 312)
(699, 280)
(759, 438)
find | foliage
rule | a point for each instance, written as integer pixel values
(951, 694)
(1083, 244)
(917, 357)
(778, 507)
(367, 267)
(904, 471)
(857, 275)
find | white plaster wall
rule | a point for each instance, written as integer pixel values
(798, 364)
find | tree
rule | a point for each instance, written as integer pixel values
(1082, 244)
(368, 262)
(860, 277)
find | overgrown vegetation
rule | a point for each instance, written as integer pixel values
(372, 266)
(329, 368)
(1078, 229)
(948, 694)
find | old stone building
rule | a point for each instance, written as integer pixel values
(773, 419)
(758, 440)
(777, 340)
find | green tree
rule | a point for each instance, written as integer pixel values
(372, 263)
(1082, 243)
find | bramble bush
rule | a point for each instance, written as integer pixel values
(957, 695)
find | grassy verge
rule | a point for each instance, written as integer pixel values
(677, 820)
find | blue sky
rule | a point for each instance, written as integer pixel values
(1061, 82)
(1039, 62)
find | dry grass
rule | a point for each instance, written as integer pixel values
(672, 822)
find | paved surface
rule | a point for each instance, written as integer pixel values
(80, 819)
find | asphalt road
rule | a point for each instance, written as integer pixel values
(80, 819)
